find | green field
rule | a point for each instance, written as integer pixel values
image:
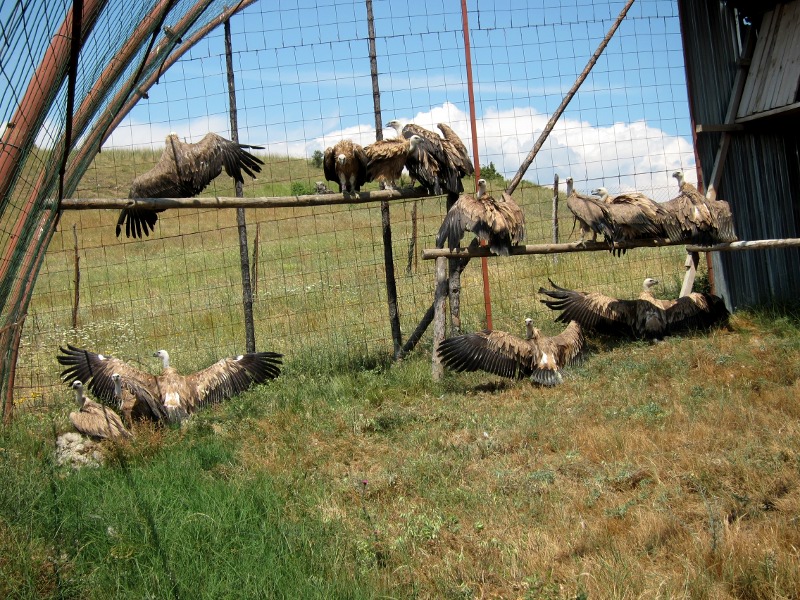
(665, 470)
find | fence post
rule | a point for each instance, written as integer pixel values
(77, 297)
(388, 254)
(555, 215)
(439, 316)
(247, 290)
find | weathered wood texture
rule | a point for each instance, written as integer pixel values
(476, 252)
(233, 202)
(775, 69)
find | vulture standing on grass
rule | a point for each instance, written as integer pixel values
(538, 357)
(434, 162)
(501, 223)
(346, 164)
(136, 403)
(644, 317)
(591, 214)
(96, 420)
(176, 396)
(637, 217)
(184, 170)
(386, 159)
(700, 220)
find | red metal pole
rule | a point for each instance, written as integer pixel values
(487, 294)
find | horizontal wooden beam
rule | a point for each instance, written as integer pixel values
(718, 128)
(233, 202)
(481, 251)
(743, 245)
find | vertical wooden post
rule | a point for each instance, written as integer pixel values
(76, 301)
(439, 316)
(555, 215)
(247, 290)
(388, 255)
(254, 265)
(412, 245)
(692, 260)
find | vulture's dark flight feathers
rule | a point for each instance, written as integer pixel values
(645, 317)
(169, 394)
(184, 170)
(537, 357)
(501, 223)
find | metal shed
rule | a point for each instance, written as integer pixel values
(742, 69)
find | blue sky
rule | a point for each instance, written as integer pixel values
(303, 82)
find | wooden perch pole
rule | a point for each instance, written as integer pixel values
(561, 107)
(76, 303)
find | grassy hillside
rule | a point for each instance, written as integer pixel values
(668, 470)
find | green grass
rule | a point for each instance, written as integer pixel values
(655, 471)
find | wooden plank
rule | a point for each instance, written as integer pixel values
(477, 252)
(782, 111)
(780, 52)
(767, 69)
(233, 202)
(692, 260)
(718, 128)
(790, 24)
(437, 370)
(756, 66)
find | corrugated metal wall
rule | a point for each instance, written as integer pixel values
(761, 179)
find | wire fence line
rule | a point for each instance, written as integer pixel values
(303, 82)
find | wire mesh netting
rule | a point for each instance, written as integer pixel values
(302, 77)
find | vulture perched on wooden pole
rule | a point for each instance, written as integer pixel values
(701, 221)
(461, 157)
(346, 164)
(644, 317)
(184, 170)
(501, 223)
(591, 215)
(96, 420)
(176, 396)
(386, 159)
(634, 216)
(540, 358)
(434, 162)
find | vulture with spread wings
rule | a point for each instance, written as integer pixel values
(346, 164)
(540, 358)
(500, 222)
(169, 394)
(644, 317)
(184, 170)
(96, 420)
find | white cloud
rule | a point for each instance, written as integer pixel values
(621, 156)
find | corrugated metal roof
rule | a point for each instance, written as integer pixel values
(761, 177)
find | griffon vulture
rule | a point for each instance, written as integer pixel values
(591, 214)
(386, 158)
(641, 318)
(136, 403)
(538, 357)
(460, 157)
(184, 170)
(175, 395)
(501, 223)
(96, 420)
(700, 219)
(432, 161)
(346, 164)
(636, 217)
